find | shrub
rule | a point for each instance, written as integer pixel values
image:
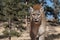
(12, 33)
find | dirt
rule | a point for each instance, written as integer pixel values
(54, 34)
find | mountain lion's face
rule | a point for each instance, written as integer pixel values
(36, 14)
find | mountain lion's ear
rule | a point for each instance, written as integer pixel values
(30, 9)
(41, 4)
(41, 9)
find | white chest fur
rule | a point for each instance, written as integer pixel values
(41, 32)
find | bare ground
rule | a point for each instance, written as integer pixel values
(54, 34)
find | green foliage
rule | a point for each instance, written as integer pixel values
(49, 9)
(6, 26)
(21, 28)
(12, 33)
(11, 8)
(5, 32)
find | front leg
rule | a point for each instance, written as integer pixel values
(42, 37)
(33, 36)
(41, 33)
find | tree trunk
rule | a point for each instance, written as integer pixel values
(9, 22)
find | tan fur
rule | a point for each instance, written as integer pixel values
(35, 27)
(37, 7)
(34, 30)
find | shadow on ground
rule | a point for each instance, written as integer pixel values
(3, 36)
(54, 23)
(52, 37)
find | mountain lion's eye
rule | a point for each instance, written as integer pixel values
(38, 14)
(33, 14)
